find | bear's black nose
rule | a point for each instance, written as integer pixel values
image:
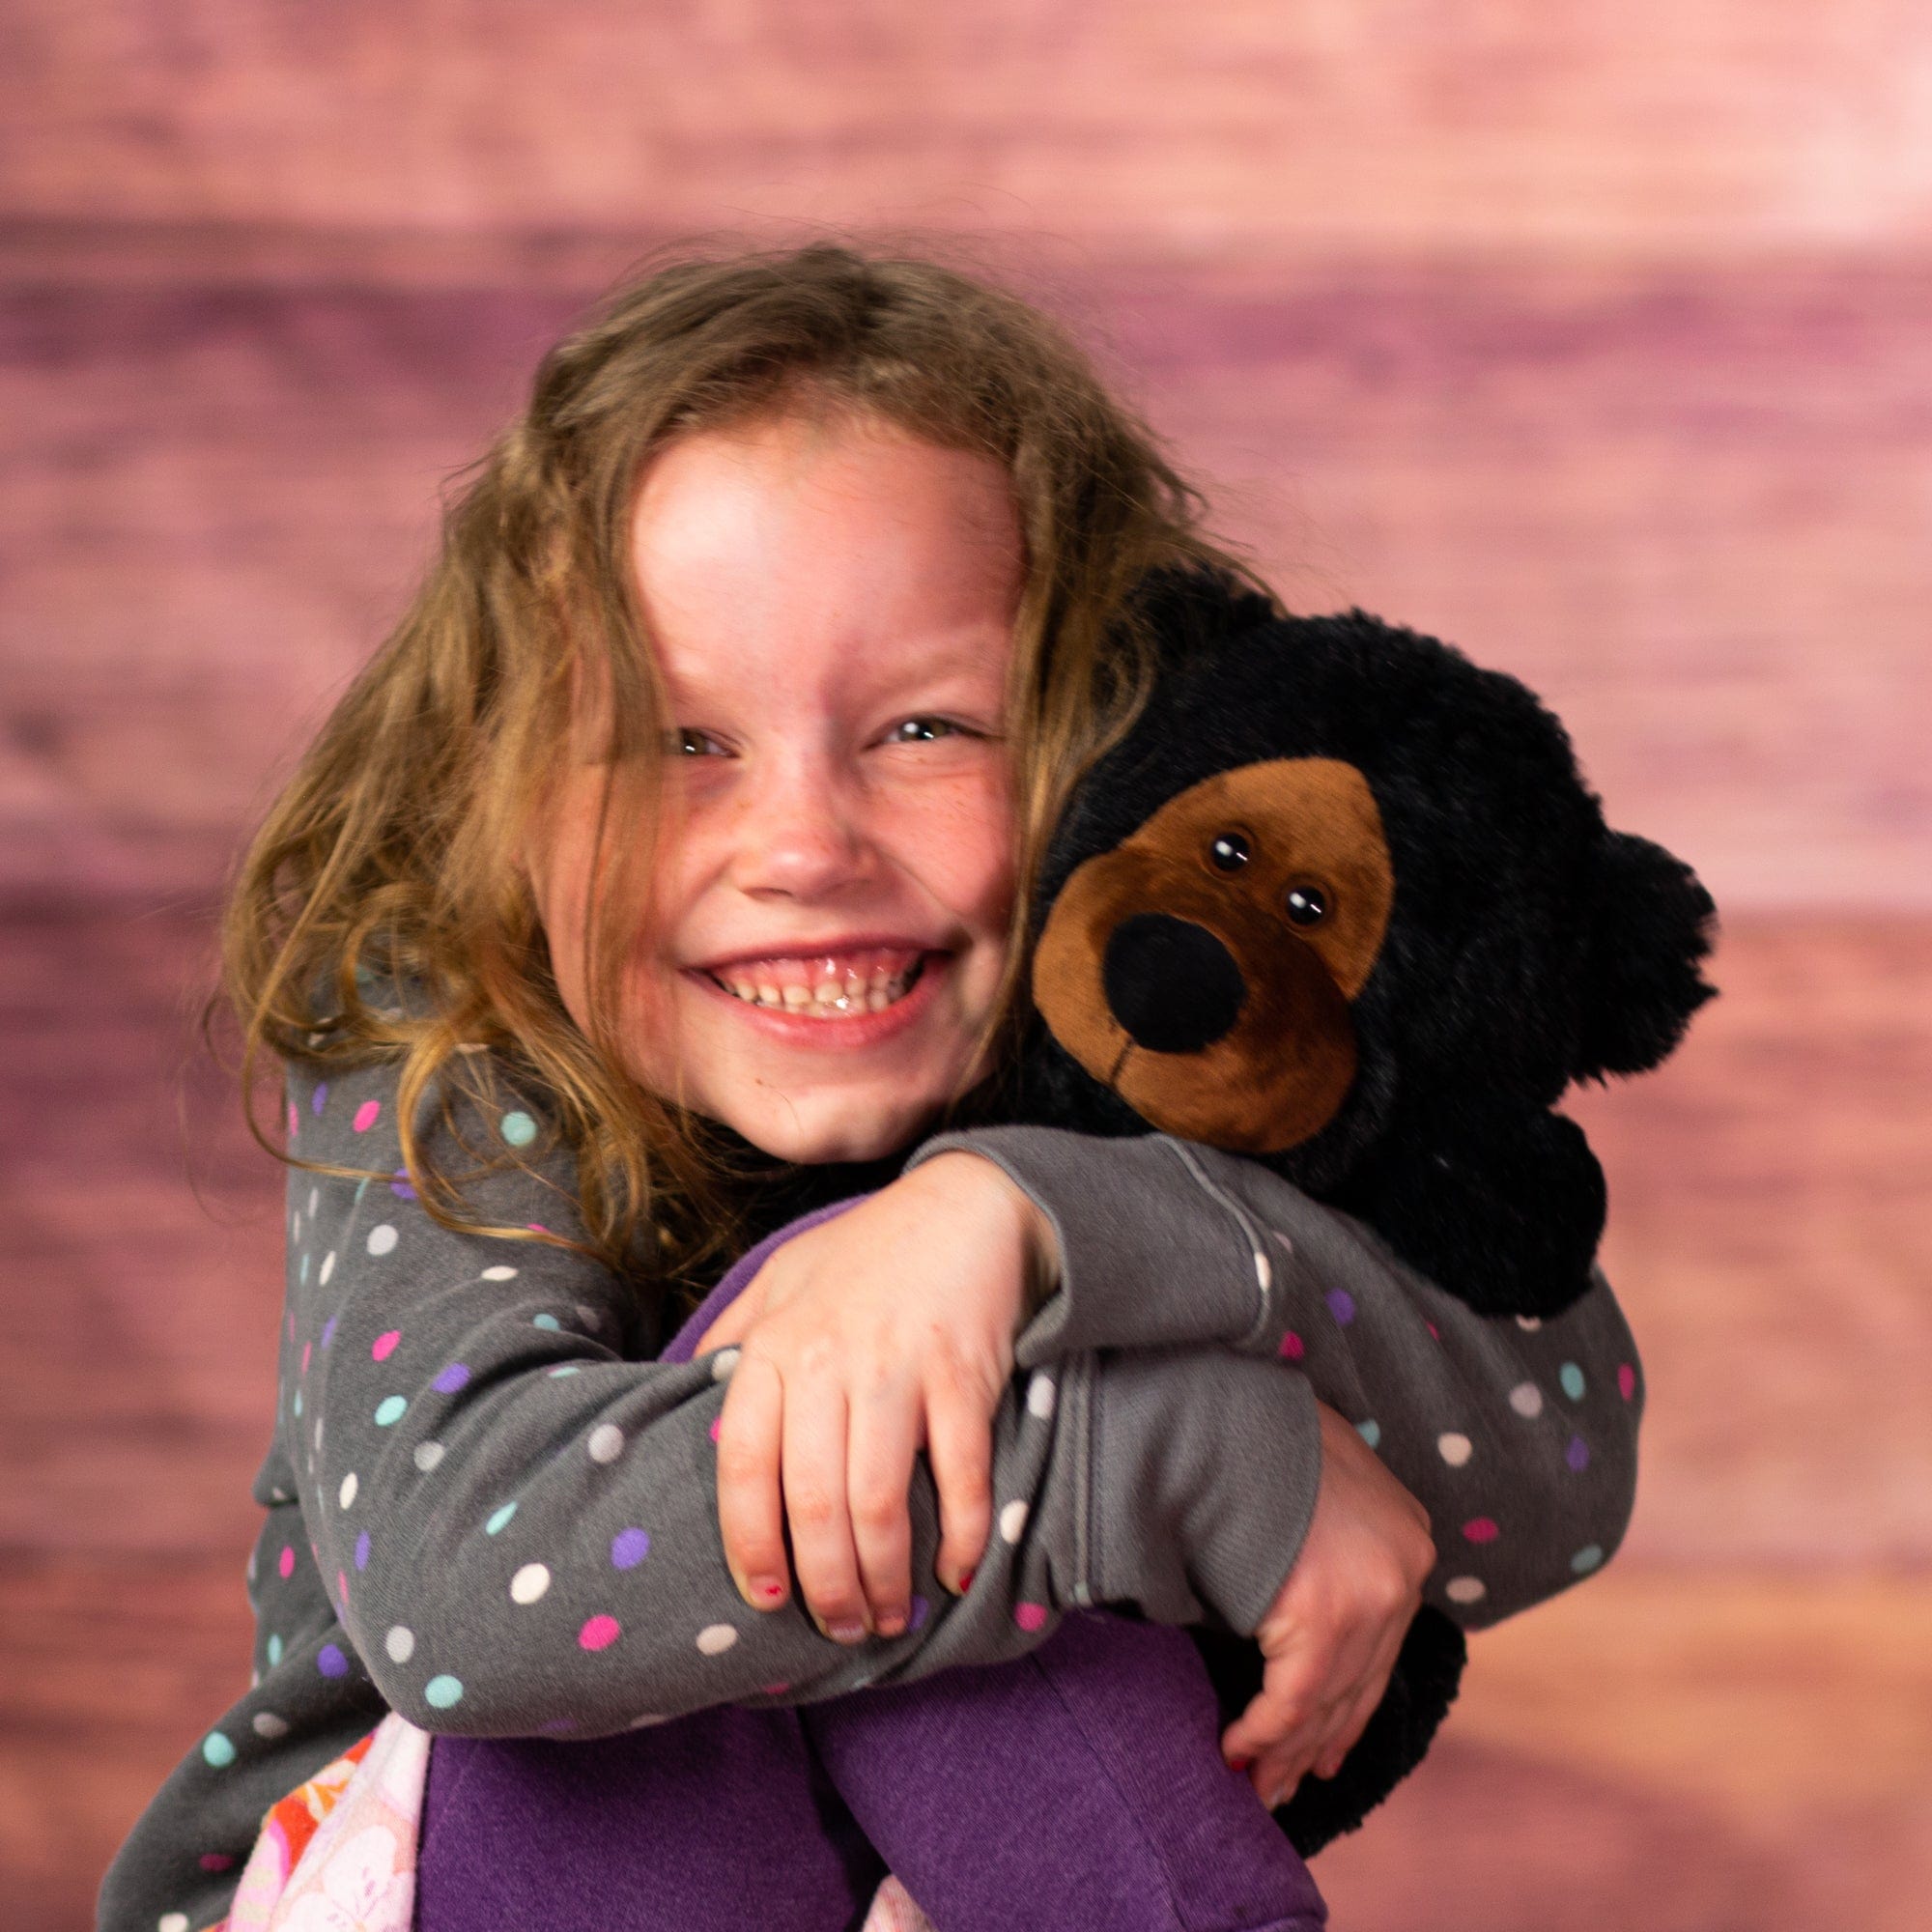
(1170, 983)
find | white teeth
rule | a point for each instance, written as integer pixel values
(827, 992)
(828, 998)
(796, 996)
(770, 996)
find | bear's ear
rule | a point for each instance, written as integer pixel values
(1652, 922)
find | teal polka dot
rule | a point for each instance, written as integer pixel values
(274, 1650)
(361, 1188)
(390, 1409)
(499, 1518)
(217, 1750)
(442, 1692)
(1572, 1379)
(517, 1128)
(1371, 1432)
(298, 1402)
(303, 1271)
(544, 1321)
(1586, 1560)
(568, 1369)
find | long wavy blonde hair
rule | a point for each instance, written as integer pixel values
(393, 849)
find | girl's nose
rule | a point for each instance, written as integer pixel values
(799, 833)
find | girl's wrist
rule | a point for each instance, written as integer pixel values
(1033, 1229)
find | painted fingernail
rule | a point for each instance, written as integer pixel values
(846, 1632)
(766, 1590)
(1240, 1762)
(964, 1583)
(891, 1623)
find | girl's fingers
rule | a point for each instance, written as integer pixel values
(884, 1440)
(749, 1512)
(814, 1457)
(1353, 1717)
(959, 1445)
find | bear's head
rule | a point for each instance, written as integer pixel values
(1341, 901)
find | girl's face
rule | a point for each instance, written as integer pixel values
(832, 605)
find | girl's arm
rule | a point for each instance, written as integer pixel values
(516, 1520)
(1519, 1438)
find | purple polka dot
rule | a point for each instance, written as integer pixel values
(400, 1186)
(1577, 1455)
(452, 1379)
(330, 1661)
(556, 1727)
(329, 1331)
(215, 1861)
(629, 1547)
(319, 1100)
(1341, 1305)
(920, 1607)
(362, 1551)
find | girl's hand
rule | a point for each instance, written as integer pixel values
(886, 1329)
(1330, 1638)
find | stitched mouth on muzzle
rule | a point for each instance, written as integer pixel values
(1172, 985)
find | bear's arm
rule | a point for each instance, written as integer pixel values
(1519, 1437)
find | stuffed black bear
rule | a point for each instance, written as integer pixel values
(1342, 902)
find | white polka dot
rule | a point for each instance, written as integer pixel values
(318, 1435)
(1039, 1395)
(347, 1494)
(606, 1443)
(172, 1921)
(251, 1570)
(1013, 1519)
(401, 1642)
(500, 1274)
(648, 1718)
(1526, 1399)
(382, 1238)
(327, 1268)
(313, 1197)
(1529, 1323)
(722, 1363)
(589, 1316)
(254, 1680)
(528, 1583)
(296, 1226)
(714, 1640)
(269, 1725)
(428, 1456)
(1455, 1449)
(1465, 1590)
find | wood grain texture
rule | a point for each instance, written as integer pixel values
(1695, 513)
(1716, 129)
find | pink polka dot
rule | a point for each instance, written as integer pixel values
(1481, 1529)
(774, 1690)
(1030, 1616)
(1436, 1334)
(286, 1562)
(215, 1861)
(536, 1227)
(1626, 1380)
(600, 1632)
(292, 1119)
(341, 1586)
(306, 1346)
(384, 1346)
(715, 1421)
(365, 1116)
(1293, 1346)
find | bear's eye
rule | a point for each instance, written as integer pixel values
(1305, 905)
(1228, 852)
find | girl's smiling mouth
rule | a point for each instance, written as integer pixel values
(853, 994)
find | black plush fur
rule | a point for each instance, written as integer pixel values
(1528, 947)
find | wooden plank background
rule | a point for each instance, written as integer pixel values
(1593, 339)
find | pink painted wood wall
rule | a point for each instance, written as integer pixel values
(1598, 340)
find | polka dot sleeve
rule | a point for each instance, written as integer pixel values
(1519, 1437)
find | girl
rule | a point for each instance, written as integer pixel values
(679, 829)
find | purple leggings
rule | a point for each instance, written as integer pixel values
(1077, 1789)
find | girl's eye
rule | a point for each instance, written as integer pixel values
(921, 731)
(686, 741)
